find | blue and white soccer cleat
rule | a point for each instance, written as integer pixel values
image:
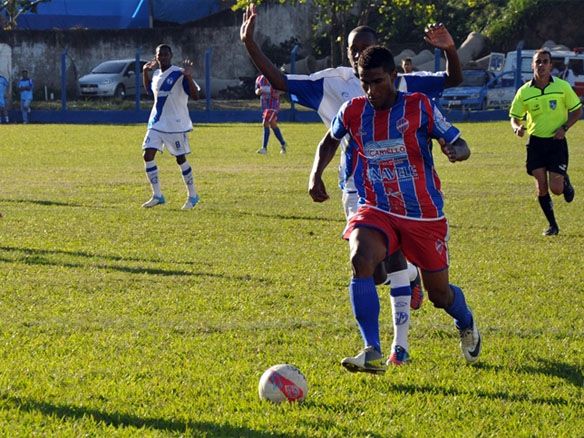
(262, 151)
(191, 202)
(470, 343)
(369, 360)
(154, 201)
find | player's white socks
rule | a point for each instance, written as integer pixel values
(187, 174)
(412, 272)
(400, 295)
(152, 175)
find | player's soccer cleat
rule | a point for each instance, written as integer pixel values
(154, 201)
(369, 360)
(399, 356)
(569, 191)
(551, 231)
(283, 149)
(262, 151)
(417, 292)
(470, 343)
(191, 202)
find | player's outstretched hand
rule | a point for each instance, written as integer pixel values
(187, 67)
(150, 65)
(248, 24)
(457, 151)
(317, 190)
(438, 36)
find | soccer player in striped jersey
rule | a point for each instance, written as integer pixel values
(169, 122)
(400, 204)
(325, 91)
(270, 101)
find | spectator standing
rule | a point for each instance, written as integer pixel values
(25, 86)
(407, 65)
(4, 85)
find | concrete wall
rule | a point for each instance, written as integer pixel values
(40, 51)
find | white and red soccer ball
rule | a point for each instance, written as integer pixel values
(283, 382)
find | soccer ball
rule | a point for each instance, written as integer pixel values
(283, 382)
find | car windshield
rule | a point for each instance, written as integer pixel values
(109, 67)
(473, 78)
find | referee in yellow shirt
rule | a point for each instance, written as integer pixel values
(549, 107)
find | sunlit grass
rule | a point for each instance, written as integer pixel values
(121, 321)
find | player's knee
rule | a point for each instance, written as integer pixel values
(180, 159)
(557, 187)
(363, 264)
(149, 154)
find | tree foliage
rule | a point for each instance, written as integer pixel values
(13, 8)
(402, 21)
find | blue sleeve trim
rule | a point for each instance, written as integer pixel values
(305, 91)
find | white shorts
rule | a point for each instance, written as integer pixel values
(350, 203)
(176, 144)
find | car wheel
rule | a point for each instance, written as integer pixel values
(120, 92)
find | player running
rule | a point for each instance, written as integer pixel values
(400, 204)
(325, 91)
(270, 101)
(169, 121)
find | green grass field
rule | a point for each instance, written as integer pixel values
(122, 321)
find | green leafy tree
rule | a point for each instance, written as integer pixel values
(13, 9)
(333, 20)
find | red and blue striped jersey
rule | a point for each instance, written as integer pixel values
(269, 99)
(392, 160)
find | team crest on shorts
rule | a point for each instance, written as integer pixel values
(402, 125)
(439, 246)
(553, 104)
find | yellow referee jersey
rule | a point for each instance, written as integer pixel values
(546, 109)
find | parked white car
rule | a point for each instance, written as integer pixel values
(114, 78)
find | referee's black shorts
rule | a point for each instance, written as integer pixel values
(548, 153)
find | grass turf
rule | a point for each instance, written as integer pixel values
(123, 321)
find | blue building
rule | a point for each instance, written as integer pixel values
(117, 14)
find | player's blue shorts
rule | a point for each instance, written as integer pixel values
(2, 101)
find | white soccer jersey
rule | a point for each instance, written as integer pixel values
(325, 91)
(170, 113)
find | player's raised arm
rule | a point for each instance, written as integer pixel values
(324, 154)
(438, 36)
(261, 61)
(455, 151)
(193, 87)
(146, 79)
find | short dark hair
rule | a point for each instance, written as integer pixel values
(377, 56)
(408, 59)
(164, 46)
(364, 29)
(543, 51)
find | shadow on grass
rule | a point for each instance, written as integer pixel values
(121, 420)
(35, 257)
(493, 395)
(570, 373)
(42, 202)
(291, 217)
(35, 251)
